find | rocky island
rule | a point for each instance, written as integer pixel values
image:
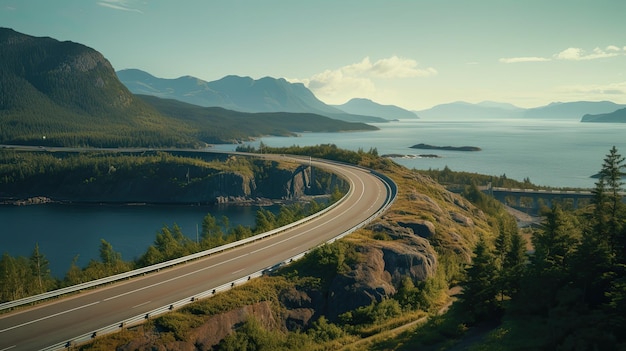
(448, 148)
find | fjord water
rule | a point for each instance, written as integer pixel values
(64, 231)
(555, 153)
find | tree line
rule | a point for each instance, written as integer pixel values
(569, 292)
(25, 276)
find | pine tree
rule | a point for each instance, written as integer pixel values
(108, 256)
(514, 264)
(608, 200)
(40, 270)
(479, 297)
(549, 269)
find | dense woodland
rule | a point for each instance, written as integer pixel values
(568, 293)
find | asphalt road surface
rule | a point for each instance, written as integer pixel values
(63, 319)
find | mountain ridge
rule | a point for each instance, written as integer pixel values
(362, 106)
(237, 93)
(496, 110)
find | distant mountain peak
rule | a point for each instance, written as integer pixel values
(489, 109)
(238, 93)
(495, 104)
(363, 106)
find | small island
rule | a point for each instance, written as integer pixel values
(448, 148)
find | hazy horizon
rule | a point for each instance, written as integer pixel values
(412, 54)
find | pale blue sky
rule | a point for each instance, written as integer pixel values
(414, 54)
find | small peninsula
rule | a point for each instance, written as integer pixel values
(448, 148)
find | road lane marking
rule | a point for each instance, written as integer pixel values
(141, 304)
(8, 348)
(50, 316)
(174, 278)
(236, 271)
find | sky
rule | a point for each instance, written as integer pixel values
(413, 54)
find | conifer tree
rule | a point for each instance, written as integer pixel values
(549, 269)
(40, 270)
(479, 297)
(608, 200)
(514, 264)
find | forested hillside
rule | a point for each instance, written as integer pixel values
(66, 94)
(218, 125)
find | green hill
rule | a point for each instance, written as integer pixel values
(56, 93)
(64, 93)
(218, 125)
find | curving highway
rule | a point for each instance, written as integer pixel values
(62, 320)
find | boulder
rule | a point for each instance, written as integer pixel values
(421, 228)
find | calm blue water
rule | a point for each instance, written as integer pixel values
(64, 231)
(553, 153)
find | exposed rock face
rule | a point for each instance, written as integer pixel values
(221, 325)
(422, 228)
(300, 308)
(379, 272)
(365, 283)
(168, 184)
(210, 333)
(461, 219)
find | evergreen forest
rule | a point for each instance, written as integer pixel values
(567, 293)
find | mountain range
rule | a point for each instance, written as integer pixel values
(488, 109)
(67, 94)
(237, 93)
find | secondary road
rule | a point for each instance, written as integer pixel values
(62, 320)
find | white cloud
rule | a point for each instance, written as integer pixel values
(578, 54)
(397, 67)
(524, 59)
(123, 5)
(571, 54)
(358, 79)
(600, 91)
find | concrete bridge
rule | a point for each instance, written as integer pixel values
(533, 200)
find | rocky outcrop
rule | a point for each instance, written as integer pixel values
(221, 325)
(420, 227)
(262, 183)
(377, 275)
(210, 333)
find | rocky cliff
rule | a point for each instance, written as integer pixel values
(173, 180)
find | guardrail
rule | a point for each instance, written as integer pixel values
(139, 319)
(162, 265)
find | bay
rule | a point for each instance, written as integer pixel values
(554, 153)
